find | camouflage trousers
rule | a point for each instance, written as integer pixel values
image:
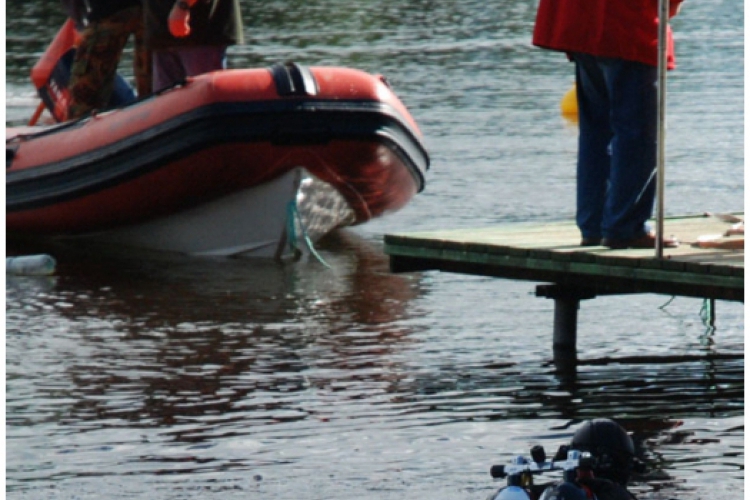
(95, 64)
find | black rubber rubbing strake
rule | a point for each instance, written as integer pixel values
(293, 79)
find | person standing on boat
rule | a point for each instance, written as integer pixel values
(614, 45)
(106, 26)
(190, 37)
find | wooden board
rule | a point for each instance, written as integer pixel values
(551, 253)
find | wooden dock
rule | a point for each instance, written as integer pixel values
(551, 254)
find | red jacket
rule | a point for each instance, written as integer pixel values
(625, 29)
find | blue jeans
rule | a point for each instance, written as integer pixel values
(617, 108)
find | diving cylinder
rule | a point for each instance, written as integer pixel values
(511, 493)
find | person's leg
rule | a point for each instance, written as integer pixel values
(630, 202)
(594, 138)
(173, 65)
(142, 64)
(94, 66)
(167, 69)
(199, 60)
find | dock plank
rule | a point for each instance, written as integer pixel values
(550, 252)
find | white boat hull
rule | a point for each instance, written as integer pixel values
(266, 221)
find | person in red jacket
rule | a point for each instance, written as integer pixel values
(614, 45)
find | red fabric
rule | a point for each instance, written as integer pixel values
(626, 29)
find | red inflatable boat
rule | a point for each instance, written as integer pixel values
(221, 164)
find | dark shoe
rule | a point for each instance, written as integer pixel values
(646, 240)
(591, 242)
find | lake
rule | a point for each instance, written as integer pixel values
(139, 375)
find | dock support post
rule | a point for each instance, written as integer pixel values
(564, 335)
(565, 327)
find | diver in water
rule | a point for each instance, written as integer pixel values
(597, 464)
(614, 461)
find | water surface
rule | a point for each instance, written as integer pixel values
(134, 375)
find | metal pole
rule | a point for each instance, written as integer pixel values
(661, 125)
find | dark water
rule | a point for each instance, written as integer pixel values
(134, 375)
